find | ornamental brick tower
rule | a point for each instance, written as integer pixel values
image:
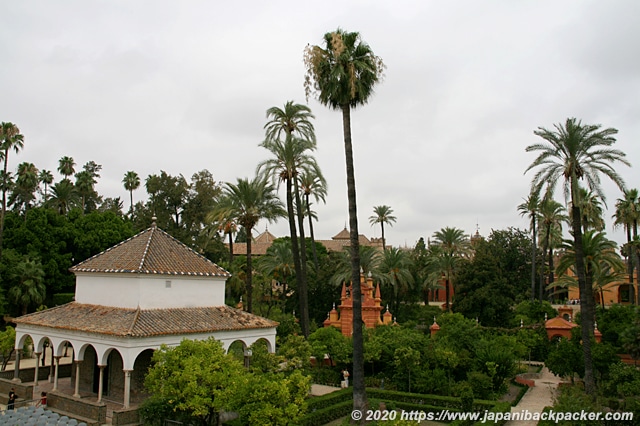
(371, 308)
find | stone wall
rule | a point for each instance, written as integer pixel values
(125, 417)
(62, 403)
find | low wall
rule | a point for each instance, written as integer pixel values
(28, 374)
(122, 417)
(528, 379)
(60, 402)
(24, 391)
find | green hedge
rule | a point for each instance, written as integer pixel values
(326, 415)
(324, 401)
(443, 402)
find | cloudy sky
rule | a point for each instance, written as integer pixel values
(184, 86)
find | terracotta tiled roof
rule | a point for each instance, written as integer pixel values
(559, 322)
(342, 235)
(144, 323)
(152, 251)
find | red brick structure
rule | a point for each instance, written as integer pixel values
(371, 308)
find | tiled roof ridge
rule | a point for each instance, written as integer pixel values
(110, 248)
(134, 322)
(146, 247)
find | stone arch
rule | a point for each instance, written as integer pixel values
(140, 367)
(237, 348)
(265, 342)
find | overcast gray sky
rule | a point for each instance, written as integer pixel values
(184, 86)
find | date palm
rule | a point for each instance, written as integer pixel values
(25, 187)
(247, 202)
(448, 248)
(64, 196)
(591, 210)
(395, 271)
(342, 75)
(313, 185)
(573, 152)
(530, 208)
(551, 217)
(10, 139)
(382, 215)
(131, 182)
(627, 215)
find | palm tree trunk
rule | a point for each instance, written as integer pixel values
(586, 302)
(533, 259)
(230, 247)
(359, 393)
(447, 296)
(304, 297)
(313, 240)
(295, 251)
(4, 198)
(249, 278)
(131, 201)
(384, 246)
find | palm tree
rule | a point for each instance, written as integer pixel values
(29, 288)
(591, 210)
(551, 216)
(25, 187)
(382, 215)
(47, 179)
(290, 120)
(290, 157)
(530, 208)
(66, 166)
(64, 196)
(10, 139)
(627, 215)
(449, 247)
(316, 185)
(342, 76)
(395, 270)
(247, 202)
(278, 264)
(131, 182)
(603, 264)
(574, 152)
(369, 261)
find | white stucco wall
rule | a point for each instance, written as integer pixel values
(149, 291)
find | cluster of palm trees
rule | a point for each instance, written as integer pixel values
(571, 153)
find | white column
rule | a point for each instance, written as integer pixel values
(35, 378)
(77, 390)
(127, 387)
(55, 372)
(16, 370)
(101, 367)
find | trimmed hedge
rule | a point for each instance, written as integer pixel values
(443, 402)
(326, 415)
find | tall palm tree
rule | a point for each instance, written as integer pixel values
(530, 208)
(290, 157)
(369, 262)
(313, 185)
(278, 264)
(10, 139)
(551, 217)
(248, 201)
(572, 152)
(342, 75)
(395, 271)
(382, 215)
(46, 177)
(627, 215)
(603, 263)
(29, 288)
(448, 248)
(25, 187)
(66, 166)
(131, 182)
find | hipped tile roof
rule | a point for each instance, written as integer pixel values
(144, 322)
(152, 251)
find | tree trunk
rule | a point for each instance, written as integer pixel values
(533, 259)
(586, 302)
(313, 240)
(249, 278)
(384, 246)
(359, 393)
(4, 198)
(295, 251)
(230, 247)
(304, 297)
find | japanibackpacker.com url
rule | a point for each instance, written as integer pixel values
(489, 416)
